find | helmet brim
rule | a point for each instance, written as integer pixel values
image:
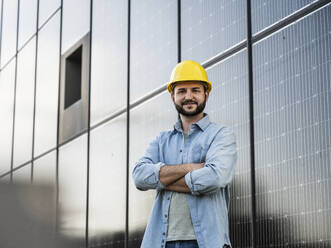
(171, 85)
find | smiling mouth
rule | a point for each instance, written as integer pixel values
(190, 106)
(189, 103)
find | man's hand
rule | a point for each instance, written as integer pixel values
(172, 173)
(179, 186)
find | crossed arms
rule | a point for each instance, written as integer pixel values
(194, 178)
(173, 176)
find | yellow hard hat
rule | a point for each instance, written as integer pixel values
(188, 71)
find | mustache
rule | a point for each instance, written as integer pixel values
(189, 102)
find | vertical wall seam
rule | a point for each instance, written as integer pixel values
(15, 83)
(179, 31)
(1, 27)
(88, 131)
(251, 120)
(1, 42)
(126, 238)
(58, 127)
(35, 92)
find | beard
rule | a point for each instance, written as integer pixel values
(199, 109)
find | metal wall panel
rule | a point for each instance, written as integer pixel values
(5, 179)
(107, 207)
(109, 58)
(74, 90)
(76, 22)
(292, 84)
(46, 9)
(27, 21)
(72, 190)
(7, 83)
(44, 170)
(22, 175)
(44, 177)
(47, 84)
(153, 44)
(9, 30)
(24, 104)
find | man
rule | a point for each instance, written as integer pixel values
(191, 168)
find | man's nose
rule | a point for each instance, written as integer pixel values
(188, 95)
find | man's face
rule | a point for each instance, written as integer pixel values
(189, 98)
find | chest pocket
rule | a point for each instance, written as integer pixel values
(170, 155)
(198, 153)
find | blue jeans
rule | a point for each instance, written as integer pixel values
(182, 244)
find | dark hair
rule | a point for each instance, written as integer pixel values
(204, 86)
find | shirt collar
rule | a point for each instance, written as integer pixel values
(202, 124)
(178, 126)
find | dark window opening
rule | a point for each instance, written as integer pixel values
(73, 78)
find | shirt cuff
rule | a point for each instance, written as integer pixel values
(189, 183)
(157, 168)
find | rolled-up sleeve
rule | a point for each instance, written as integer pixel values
(219, 166)
(146, 171)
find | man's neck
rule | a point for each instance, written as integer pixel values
(188, 120)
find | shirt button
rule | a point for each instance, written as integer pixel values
(180, 150)
(165, 215)
(163, 233)
(168, 198)
(162, 240)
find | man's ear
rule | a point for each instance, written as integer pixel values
(173, 97)
(207, 95)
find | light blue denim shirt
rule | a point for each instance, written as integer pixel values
(207, 142)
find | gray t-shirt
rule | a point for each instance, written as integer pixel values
(180, 222)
